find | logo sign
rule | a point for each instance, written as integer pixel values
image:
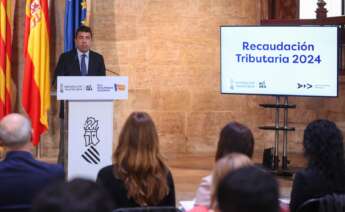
(91, 154)
(61, 88)
(88, 88)
(262, 84)
(119, 87)
(307, 86)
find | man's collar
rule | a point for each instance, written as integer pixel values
(80, 53)
(18, 153)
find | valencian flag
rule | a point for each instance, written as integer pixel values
(77, 12)
(6, 29)
(36, 82)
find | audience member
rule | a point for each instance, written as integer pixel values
(234, 137)
(78, 195)
(138, 177)
(248, 189)
(22, 176)
(325, 173)
(225, 165)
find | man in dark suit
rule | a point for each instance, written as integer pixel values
(80, 61)
(22, 176)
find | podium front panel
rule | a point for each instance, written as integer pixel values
(90, 137)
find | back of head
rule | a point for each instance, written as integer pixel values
(323, 146)
(78, 195)
(235, 137)
(138, 138)
(15, 130)
(137, 154)
(223, 166)
(248, 189)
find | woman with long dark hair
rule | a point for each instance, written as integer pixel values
(138, 176)
(233, 138)
(325, 173)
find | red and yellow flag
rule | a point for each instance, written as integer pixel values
(6, 29)
(36, 82)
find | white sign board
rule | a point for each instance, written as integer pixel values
(90, 138)
(92, 88)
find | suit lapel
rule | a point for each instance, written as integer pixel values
(90, 68)
(76, 64)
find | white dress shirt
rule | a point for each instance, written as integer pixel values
(86, 59)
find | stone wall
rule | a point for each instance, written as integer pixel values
(170, 52)
(169, 49)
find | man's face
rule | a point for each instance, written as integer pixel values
(83, 41)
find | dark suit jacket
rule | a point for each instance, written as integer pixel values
(309, 183)
(22, 177)
(118, 192)
(68, 65)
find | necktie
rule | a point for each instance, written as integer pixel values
(83, 65)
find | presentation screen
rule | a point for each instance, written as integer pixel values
(279, 60)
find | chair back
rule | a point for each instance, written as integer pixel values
(148, 209)
(327, 203)
(15, 208)
(311, 205)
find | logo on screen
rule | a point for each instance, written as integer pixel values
(232, 84)
(91, 154)
(262, 84)
(307, 86)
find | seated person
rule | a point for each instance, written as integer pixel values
(223, 166)
(248, 189)
(21, 175)
(139, 177)
(78, 195)
(325, 173)
(234, 137)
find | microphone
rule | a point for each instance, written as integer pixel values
(113, 72)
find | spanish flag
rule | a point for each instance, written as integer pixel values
(36, 82)
(6, 29)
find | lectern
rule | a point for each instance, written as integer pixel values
(90, 121)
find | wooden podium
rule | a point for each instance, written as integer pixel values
(90, 121)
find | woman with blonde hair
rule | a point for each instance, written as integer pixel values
(138, 176)
(225, 165)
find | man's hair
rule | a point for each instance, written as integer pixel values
(235, 137)
(83, 28)
(78, 195)
(248, 189)
(15, 130)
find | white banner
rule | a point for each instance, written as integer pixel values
(92, 88)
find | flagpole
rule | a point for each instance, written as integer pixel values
(38, 150)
